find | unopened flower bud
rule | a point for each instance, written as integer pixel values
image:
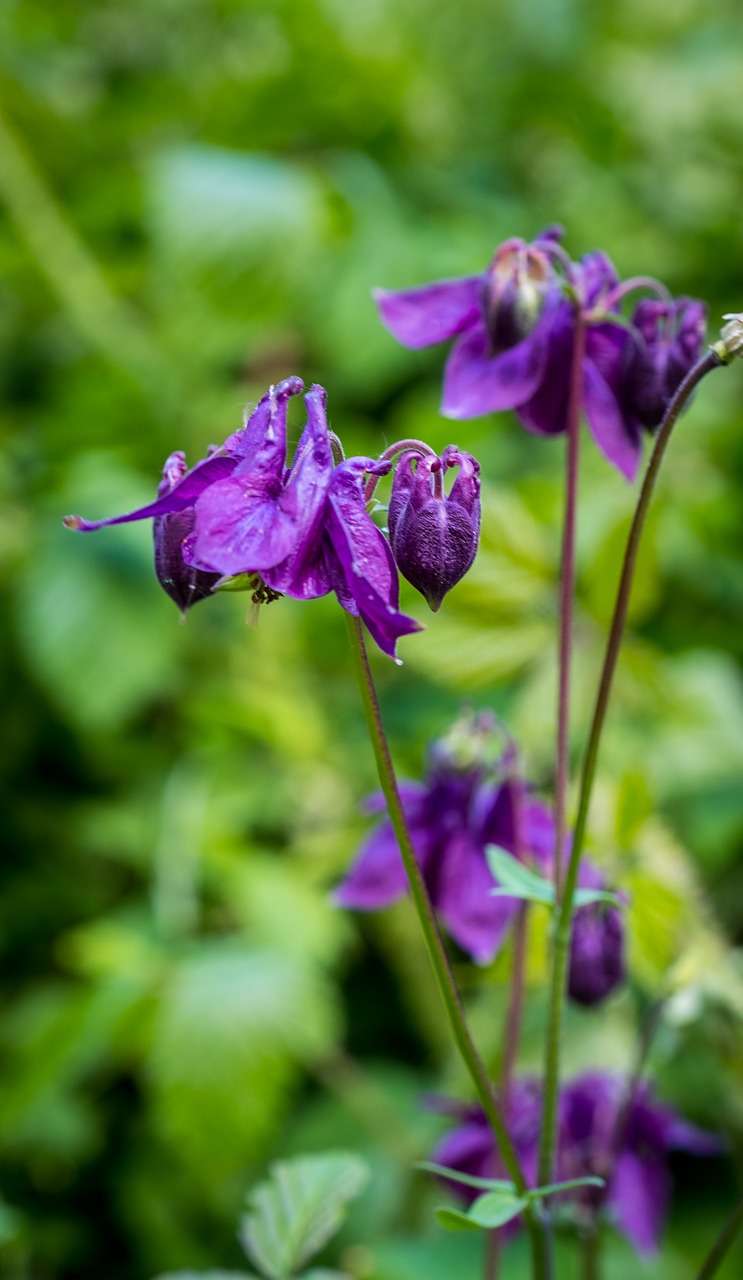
(596, 953)
(184, 584)
(433, 535)
(731, 334)
(514, 293)
(668, 342)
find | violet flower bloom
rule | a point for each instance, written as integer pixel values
(594, 1139)
(301, 530)
(184, 584)
(514, 330)
(670, 336)
(434, 535)
(597, 945)
(452, 816)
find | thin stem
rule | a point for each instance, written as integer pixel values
(723, 1243)
(590, 1250)
(567, 593)
(515, 1012)
(491, 1259)
(705, 365)
(434, 943)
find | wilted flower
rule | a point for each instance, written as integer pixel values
(301, 530)
(184, 584)
(598, 1135)
(515, 328)
(434, 535)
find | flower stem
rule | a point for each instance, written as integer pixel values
(705, 365)
(590, 1250)
(567, 593)
(434, 943)
(722, 1243)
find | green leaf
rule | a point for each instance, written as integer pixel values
(455, 1220)
(490, 1210)
(555, 1187)
(469, 1180)
(322, 1273)
(295, 1212)
(584, 897)
(207, 1275)
(517, 881)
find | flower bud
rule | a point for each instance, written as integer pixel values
(669, 338)
(596, 953)
(514, 293)
(434, 536)
(184, 584)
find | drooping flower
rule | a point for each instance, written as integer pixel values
(301, 530)
(183, 583)
(670, 335)
(515, 328)
(597, 945)
(600, 1133)
(466, 802)
(434, 535)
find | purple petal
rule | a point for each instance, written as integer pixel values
(239, 532)
(245, 442)
(468, 1149)
(639, 1197)
(431, 313)
(183, 495)
(475, 919)
(545, 412)
(608, 426)
(377, 877)
(476, 382)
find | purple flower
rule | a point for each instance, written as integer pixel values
(433, 535)
(301, 530)
(184, 584)
(514, 328)
(461, 807)
(669, 341)
(597, 945)
(598, 1135)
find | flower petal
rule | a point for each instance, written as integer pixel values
(474, 918)
(377, 876)
(545, 412)
(610, 430)
(431, 313)
(184, 494)
(639, 1197)
(476, 382)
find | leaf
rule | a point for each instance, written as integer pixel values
(555, 1187)
(296, 1211)
(490, 1210)
(584, 898)
(469, 1180)
(517, 881)
(322, 1273)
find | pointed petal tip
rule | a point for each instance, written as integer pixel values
(291, 386)
(73, 522)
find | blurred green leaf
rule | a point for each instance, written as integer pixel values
(297, 1211)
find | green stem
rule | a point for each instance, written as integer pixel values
(722, 1244)
(434, 943)
(590, 1250)
(705, 365)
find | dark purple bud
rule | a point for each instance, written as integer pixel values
(433, 535)
(184, 584)
(514, 293)
(596, 953)
(669, 339)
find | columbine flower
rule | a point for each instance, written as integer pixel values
(434, 535)
(669, 341)
(596, 1137)
(597, 945)
(301, 530)
(514, 329)
(463, 806)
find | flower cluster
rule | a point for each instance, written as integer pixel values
(604, 1129)
(474, 796)
(303, 530)
(515, 330)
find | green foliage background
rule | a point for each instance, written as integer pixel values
(196, 197)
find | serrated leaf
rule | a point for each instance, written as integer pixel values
(296, 1211)
(469, 1180)
(517, 881)
(555, 1187)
